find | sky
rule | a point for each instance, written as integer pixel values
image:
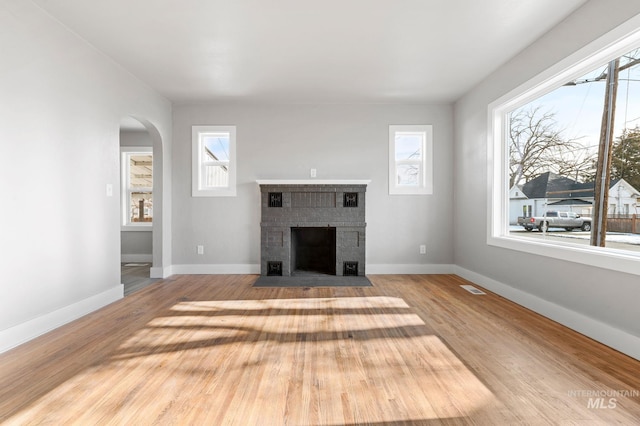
(218, 146)
(578, 109)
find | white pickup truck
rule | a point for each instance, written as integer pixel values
(553, 219)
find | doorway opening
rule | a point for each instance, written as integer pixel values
(138, 189)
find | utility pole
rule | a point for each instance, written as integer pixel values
(603, 172)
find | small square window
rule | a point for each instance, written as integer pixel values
(214, 163)
(410, 158)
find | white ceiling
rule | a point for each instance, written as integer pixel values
(301, 51)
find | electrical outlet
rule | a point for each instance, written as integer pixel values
(423, 249)
(200, 249)
(313, 173)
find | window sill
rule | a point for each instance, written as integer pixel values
(223, 192)
(136, 228)
(410, 191)
(606, 258)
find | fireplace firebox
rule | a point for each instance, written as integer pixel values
(313, 227)
(313, 250)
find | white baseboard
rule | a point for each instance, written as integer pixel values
(160, 272)
(379, 269)
(613, 337)
(31, 329)
(214, 269)
(375, 269)
(136, 258)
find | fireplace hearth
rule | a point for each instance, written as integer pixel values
(312, 227)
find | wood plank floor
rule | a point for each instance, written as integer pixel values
(411, 350)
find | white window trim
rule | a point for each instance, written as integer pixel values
(613, 44)
(197, 163)
(124, 179)
(425, 164)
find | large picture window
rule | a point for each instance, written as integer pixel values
(214, 162)
(565, 158)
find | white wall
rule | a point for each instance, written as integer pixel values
(598, 302)
(61, 106)
(286, 141)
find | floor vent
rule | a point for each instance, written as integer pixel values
(471, 289)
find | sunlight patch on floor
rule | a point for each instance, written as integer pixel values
(301, 361)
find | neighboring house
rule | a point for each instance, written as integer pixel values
(550, 191)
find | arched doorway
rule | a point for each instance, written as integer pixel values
(141, 208)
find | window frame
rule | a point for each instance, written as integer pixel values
(611, 45)
(125, 190)
(425, 164)
(198, 164)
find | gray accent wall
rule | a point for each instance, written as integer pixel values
(136, 246)
(340, 142)
(135, 138)
(599, 302)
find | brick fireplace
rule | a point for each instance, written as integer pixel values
(312, 227)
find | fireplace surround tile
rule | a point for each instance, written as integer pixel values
(313, 204)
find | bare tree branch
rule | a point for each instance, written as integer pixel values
(537, 146)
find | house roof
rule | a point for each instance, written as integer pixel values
(551, 185)
(571, 202)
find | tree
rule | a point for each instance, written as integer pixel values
(625, 162)
(537, 146)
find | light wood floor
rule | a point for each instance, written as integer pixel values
(412, 350)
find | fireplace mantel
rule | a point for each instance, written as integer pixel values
(313, 181)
